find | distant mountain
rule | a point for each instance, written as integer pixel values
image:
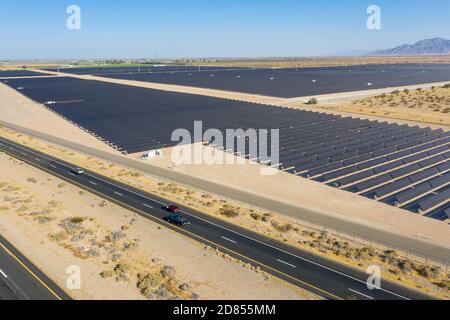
(424, 47)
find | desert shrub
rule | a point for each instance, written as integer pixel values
(313, 101)
(229, 211)
(282, 227)
(106, 274)
(256, 216)
(77, 220)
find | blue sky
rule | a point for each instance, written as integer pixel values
(36, 29)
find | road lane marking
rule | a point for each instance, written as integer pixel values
(148, 206)
(182, 232)
(93, 183)
(286, 263)
(72, 174)
(37, 159)
(29, 271)
(53, 166)
(225, 228)
(232, 241)
(235, 232)
(3, 274)
(361, 294)
(43, 156)
(118, 193)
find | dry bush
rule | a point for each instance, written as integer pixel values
(229, 211)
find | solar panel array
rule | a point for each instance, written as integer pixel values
(19, 73)
(290, 83)
(144, 69)
(401, 165)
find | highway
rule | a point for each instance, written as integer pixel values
(313, 273)
(21, 280)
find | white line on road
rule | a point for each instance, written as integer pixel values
(225, 238)
(37, 159)
(118, 193)
(93, 183)
(72, 174)
(147, 205)
(225, 228)
(361, 294)
(3, 274)
(288, 264)
(53, 166)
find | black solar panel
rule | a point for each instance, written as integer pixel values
(365, 185)
(423, 175)
(435, 200)
(440, 181)
(354, 178)
(390, 188)
(412, 193)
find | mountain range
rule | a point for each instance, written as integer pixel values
(435, 46)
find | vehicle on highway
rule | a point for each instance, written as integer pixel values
(177, 220)
(77, 171)
(172, 208)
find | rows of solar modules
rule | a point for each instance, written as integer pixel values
(19, 73)
(300, 82)
(400, 165)
(144, 69)
(412, 172)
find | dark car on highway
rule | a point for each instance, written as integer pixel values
(177, 220)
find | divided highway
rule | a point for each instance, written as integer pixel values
(316, 274)
(21, 280)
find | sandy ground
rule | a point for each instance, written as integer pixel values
(57, 225)
(428, 105)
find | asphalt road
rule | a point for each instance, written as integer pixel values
(316, 274)
(21, 280)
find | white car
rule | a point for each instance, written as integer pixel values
(77, 171)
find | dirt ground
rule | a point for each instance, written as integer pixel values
(422, 105)
(121, 255)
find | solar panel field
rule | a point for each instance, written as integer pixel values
(400, 165)
(290, 83)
